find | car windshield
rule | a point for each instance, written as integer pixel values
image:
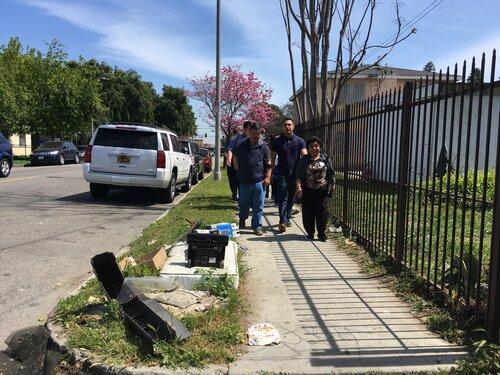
(126, 138)
(50, 145)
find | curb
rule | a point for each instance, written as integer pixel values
(57, 341)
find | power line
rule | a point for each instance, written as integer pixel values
(420, 15)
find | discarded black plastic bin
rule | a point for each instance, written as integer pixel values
(206, 249)
(144, 315)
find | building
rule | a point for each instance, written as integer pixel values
(367, 83)
(21, 144)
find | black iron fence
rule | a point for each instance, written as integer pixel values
(417, 178)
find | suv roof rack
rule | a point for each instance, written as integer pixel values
(138, 124)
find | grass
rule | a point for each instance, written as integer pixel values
(96, 325)
(447, 243)
(21, 161)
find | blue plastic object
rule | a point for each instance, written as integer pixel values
(224, 228)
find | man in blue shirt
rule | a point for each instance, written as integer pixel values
(231, 171)
(289, 148)
(252, 160)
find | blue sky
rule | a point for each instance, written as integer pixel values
(167, 41)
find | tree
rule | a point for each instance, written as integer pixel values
(429, 67)
(243, 96)
(276, 125)
(173, 110)
(477, 74)
(315, 20)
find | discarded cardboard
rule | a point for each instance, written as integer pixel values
(155, 260)
(263, 334)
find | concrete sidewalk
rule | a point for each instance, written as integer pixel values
(332, 317)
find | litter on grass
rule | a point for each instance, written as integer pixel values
(263, 334)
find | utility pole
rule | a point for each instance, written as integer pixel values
(217, 175)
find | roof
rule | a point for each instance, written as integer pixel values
(384, 72)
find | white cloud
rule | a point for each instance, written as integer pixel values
(129, 36)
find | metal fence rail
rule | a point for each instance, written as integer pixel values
(417, 178)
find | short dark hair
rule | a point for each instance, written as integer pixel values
(314, 140)
(255, 126)
(288, 119)
(247, 123)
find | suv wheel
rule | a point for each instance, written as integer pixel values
(61, 159)
(4, 167)
(187, 184)
(195, 178)
(167, 195)
(98, 191)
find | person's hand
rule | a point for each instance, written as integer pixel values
(298, 192)
(267, 181)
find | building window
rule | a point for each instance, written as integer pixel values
(351, 93)
(22, 139)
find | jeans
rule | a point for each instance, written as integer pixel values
(285, 192)
(252, 195)
(315, 210)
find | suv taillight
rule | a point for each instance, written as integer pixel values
(160, 159)
(87, 157)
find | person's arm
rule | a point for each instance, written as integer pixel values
(303, 152)
(299, 178)
(273, 159)
(229, 158)
(235, 162)
(268, 167)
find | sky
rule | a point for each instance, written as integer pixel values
(169, 41)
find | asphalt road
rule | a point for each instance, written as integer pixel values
(50, 227)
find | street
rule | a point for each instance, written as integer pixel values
(50, 227)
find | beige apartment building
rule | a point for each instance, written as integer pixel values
(368, 83)
(21, 144)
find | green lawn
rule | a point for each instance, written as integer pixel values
(439, 232)
(217, 334)
(21, 161)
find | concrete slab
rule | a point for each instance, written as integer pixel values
(332, 318)
(177, 271)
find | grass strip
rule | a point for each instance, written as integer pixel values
(96, 325)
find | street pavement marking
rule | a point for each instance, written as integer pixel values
(18, 179)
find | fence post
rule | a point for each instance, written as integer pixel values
(347, 119)
(404, 147)
(493, 323)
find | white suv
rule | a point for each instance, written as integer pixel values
(136, 155)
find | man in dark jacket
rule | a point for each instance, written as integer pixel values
(252, 160)
(288, 148)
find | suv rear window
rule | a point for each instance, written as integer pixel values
(126, 138)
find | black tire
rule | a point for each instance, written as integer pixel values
(5, 167)
(61, 159)
(98, 191)
(77, 158)
(195, 179)
(187, 185)
(167, 195)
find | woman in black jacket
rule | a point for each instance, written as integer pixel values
(315, 183)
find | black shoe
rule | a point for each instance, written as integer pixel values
(234, 198)
(242, 224)
(310, 236)
(322, 239)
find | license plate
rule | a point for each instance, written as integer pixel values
(123, 159)
(40, 158)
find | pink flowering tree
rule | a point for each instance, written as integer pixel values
(243, 97)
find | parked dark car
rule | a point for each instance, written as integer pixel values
(6, 159)
(196, 161)
(207, 159)
(55, 152)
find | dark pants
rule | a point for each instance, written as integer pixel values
(314, 210)
(232, 175)
(285, 192)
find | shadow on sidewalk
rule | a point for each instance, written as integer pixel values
(349, 318)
